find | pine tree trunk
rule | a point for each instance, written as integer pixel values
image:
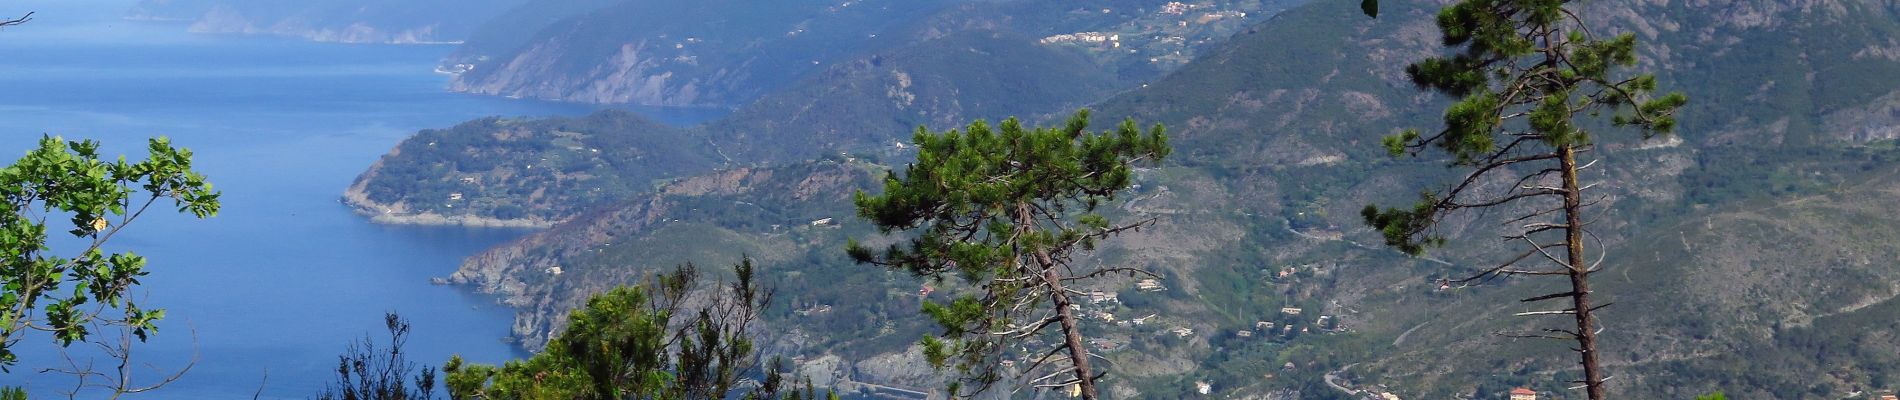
(1580, 275)
(1065, 310)
(1071, 335)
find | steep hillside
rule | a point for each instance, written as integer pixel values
(348, 21)
(1321, 79)
(498, 171)
(723, 53)
(874, 103)
(653, 52)
(1786, 97)
(925, 74)
(765, 213)
(854, 324)
(1783, 163)
(1725, 299)
(534, 172)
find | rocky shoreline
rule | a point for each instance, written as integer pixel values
(396, 214)
(431, 219)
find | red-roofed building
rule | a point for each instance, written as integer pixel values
(1523, 394)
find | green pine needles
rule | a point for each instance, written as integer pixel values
(1005, 208)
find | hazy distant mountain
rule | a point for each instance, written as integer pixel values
(729, 53)
(350, 21)
(664, 52)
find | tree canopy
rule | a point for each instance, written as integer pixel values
(1005, 209)
(72, 297)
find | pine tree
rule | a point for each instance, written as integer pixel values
(1524, 72)
(1005, 209)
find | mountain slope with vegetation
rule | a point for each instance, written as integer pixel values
(497, 171)
(728, 54)
(706, 53)
(1783, 160)
(1777, 115)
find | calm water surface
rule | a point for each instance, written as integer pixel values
(280, 281)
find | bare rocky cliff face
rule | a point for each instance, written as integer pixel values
(636, 73)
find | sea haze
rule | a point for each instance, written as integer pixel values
(280, 281)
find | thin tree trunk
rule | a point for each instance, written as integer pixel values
(1580, 275)
(1071, 335)
(1065, 311)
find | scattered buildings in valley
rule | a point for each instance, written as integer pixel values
(1099, 297)
(1110, 39)
(1219, 15)
(1523, 394)
(1176, 8)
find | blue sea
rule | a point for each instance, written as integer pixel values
(269, 292)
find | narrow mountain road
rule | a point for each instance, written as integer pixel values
(1333, 377)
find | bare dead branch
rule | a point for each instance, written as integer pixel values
(17, 21)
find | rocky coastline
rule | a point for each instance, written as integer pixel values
(397, 214)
